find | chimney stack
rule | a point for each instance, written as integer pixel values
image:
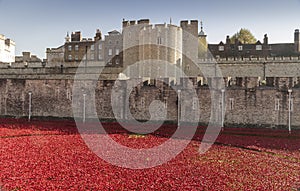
(297, 40)
(227, 40)
(266, 39)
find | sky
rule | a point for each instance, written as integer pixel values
(39, 24)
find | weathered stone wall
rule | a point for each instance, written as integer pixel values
(244, 106)
(247, 100)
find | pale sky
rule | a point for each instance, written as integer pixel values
(38, 24)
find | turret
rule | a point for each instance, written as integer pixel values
(202, 43)
(67, 37)
(190, 27)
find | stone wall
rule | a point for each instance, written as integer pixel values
(53, 97)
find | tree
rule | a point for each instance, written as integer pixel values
(244, 36)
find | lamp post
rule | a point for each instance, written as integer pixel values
(29, 109)
(86, 52)
(222, 109)
(84, 95)
(290, 103)
(178, 108)
(264, 72)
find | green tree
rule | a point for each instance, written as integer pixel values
(244, 36)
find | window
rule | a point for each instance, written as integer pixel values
(117, 52)
(258, 47)
(92, 56)
(117, 42)
(165, 102)
(109, 42)
(100, 46)
(179, 61)
(57, 92)
(277, 104)
(195, 101)
(76, 47)
(159, 40)
(117, 61)
(221, 48)
(92, 47)
(76, 57)
(231, 102)
(99, 57)
(70, 47)
(69, 95)
(142, 102)
(240, 48)
(110, 52)
(70, 57)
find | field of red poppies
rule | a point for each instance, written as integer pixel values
(51, 155)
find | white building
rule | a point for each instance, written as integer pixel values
(7, 50)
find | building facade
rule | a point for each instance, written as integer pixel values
(259, 49)
(55, 55)
(7, 50)
(111, 50)
(76, 47)
(183, 46)
(107, 51)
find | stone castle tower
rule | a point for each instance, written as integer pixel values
(145, 42)
(169, 43)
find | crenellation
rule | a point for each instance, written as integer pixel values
(133, 22)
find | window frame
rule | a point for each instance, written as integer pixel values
(240, 48)
(110, 52)
(221, 48)
(258, 47)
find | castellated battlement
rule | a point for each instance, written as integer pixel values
(189, 23)
(161, 26)
(190, 26)
(143, 21)
(183, 24)
(127, 23)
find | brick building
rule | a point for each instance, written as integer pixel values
(77, 49)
